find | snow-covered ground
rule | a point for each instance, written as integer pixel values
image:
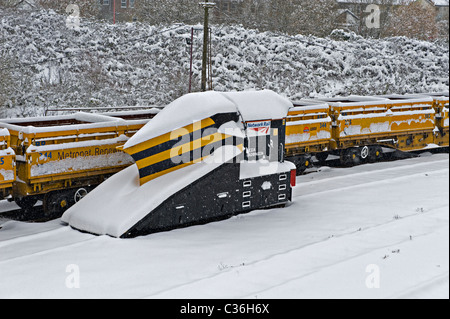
(372, 231)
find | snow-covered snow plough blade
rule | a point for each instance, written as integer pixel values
(206, 156)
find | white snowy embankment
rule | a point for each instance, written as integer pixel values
(136, 64)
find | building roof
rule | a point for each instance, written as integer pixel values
(440, 3)
(347, 11)
(26, 2)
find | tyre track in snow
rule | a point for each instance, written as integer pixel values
(257, 269)
(351, 181)
(32, 235)
(354, 179)
(76, 243)
(358, 178)
(31, 245)
(440, 282)
(384, 249)
(368, 169)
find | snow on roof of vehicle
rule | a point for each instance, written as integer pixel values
(404, 96)
(410, 98)
(260, 105)
(193, 107)
(183, 111)
(308, 104)
(79, 116)
(133, 113)
(354, 100)
(4, 132)
(438, 96)
(445, 93)
(76, 121)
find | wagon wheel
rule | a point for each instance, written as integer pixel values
(56, 203)
(322, 157)
(79, 194)
(376, 153)
(302, 163)
(351, 157)
(365, 152)
(26, 202)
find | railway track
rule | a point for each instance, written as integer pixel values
(36, 214)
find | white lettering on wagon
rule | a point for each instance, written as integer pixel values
(97, 151)
(74, 162)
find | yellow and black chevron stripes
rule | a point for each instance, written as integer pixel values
(168, 140)
(179, 148)
(178, 152)
(185, 155)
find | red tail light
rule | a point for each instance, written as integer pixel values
(293, 177)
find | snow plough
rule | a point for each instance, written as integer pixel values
(205, 157)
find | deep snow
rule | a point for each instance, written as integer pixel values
(348, 232)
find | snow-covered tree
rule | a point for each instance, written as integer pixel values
(317, 17)
(413, 19)
(46, 64)
(167, 11)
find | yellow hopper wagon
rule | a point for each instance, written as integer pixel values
(308, 133)
(440, 103)
(61, 158)
(7, 164)
(362, 126)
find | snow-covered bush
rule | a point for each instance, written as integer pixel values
(46, 64)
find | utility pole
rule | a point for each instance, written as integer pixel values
(190, 68)
(114, 11)
(206, 6)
